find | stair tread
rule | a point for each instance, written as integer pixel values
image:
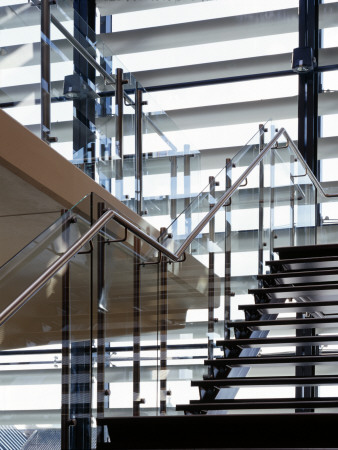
(267, 381)
(279, 341)
(272, 360)
(304, 263)
(296, 273)
(312, 250)
(310, 306)
(298, 290)
(303, 276)
(324, 322)
(328, 402)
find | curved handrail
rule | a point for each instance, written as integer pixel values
(114, 215)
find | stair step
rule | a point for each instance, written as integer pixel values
(294, 323)
(302, 277)
(273, 403)
(267, 381)
(272, 361)
(324, 306)
(315, 292)
(241, 430)
(300, 264)
(278, 341)
(307, 251)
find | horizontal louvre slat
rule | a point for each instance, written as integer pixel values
(210, 31)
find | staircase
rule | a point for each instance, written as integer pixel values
(297, 299)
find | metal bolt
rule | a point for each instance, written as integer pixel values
(169, 392)
(107, 392)
(71, 422)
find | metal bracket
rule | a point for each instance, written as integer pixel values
(52, 139)
(278, 147)
(113, 241)
(153, 263)
(184, 258)
(299, 176)
(88, 251)
(244, 184)
(227, 204)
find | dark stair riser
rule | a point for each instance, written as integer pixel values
(315, 288)
(273, 361)
(303, 264)
(278, 341)
(242, 327)
(289, 403)
(304, 277)
(325, 306)
(328, 380)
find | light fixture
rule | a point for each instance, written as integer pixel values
(76, 88)
(303, 60)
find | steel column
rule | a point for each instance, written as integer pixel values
(187, 189)
(227, 253)
(138, 150)
(102, 354)
(163, 318)
(65, 370)
(261, 204)
(119, 134)
(173, 190)
(308, 85)
(45, 72)
(211, 277)
(137, 329)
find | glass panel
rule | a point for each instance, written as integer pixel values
(199, 207)
(45, 346)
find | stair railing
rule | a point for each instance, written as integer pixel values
(11, 309)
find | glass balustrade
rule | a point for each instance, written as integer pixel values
(139, 328)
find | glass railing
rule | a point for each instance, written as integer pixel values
(194, 212)
(83, 116)
(139, 326)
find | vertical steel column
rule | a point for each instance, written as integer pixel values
(163, 331)
(65, 371)
(85, 107)
(106, 107)
(45, 71)
(137, 330)
(173, 190)
(308, 85)
(292, 205)
(273, 234)
(307, 143)
(261, 203)
(227, 253)
(211, 277)
(102, 386)
(138, 150)
(84, 111)
(187, 190)
(119, 134)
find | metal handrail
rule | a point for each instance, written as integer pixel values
(110, 214)
(309, 172)
(82, 50)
